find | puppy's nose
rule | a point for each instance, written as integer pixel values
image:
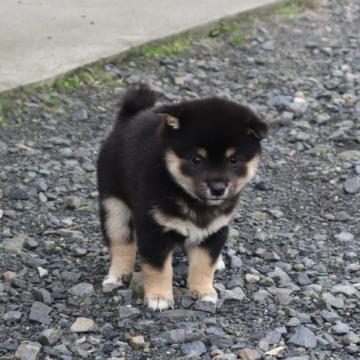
(217, 188)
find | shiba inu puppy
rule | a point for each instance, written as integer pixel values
(171, 175)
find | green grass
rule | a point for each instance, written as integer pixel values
(64, 85)
(5, 109)
(52, 100)
(97, 77)
(288, 10)
(223, 28)
(238, 39)
(173, 48)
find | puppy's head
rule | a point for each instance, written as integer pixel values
(212, 147)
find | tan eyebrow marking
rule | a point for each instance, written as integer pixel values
(230, 152)
(202, 152)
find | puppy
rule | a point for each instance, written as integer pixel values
(171, 175)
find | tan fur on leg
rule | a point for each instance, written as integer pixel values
(201, 274)
(158, 285)
(122, 247)
(122, 264)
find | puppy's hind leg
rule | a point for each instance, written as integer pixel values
(116, 225)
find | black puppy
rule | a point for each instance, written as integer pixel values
(171, 175)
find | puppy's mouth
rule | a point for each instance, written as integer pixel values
(215, 196)
(215, 201)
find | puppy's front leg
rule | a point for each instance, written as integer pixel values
(158, 284)
(155, 248)
(202, 266)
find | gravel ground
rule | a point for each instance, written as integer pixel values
(291, 287)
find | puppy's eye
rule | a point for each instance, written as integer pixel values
(233, 160)
(197, 160)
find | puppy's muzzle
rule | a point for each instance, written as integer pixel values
(217, 189)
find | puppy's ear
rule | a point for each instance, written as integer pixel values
(171, 114)
(257, 128)
(171, 121)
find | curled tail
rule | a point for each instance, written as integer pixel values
(136, 99)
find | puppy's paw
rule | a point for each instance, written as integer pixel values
(159, 303)
(220, 264)
(208, 295)
(111, 281)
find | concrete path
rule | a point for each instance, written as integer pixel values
(40, 39)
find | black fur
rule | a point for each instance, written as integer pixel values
(131, 164)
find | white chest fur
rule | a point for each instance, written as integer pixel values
(194, 234)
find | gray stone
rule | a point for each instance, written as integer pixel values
(225, 357)
(281, 102)
(277, 214)
(176, 336)
(249, 354)
(126, 295)
(236, 261)
(341, 329)
(352, 185)
(252, 278)
(42, 295)
(343, 216)
(42, 197)
(20, 192)
(218, 338)
(31, 243)
(344, 236)
(269, 45)
(28, 351)
(333, 301)
(12, 316)
(298, 106)
(260, 295)
(206, 306)
(82, 324)
(50, 337)
(128, 312)
(15, 243)
(267, 255)
(352, 349)
(293, 322)
(235, 294)
(236, 281)
(322, 118)
(193, 348)
(72, 202)
(273, 337)
(80, 115)
(351, 338)
(280, 276)
(62, 351)
(180, 315)
(352, 267)
(41, 185)
(329, 315)
(88, 167)
(137, 342)
(350, 155)
(303, 337)
(303, 279)
(347, 290)
(282, 295)
(82, 289)
(39, 312)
